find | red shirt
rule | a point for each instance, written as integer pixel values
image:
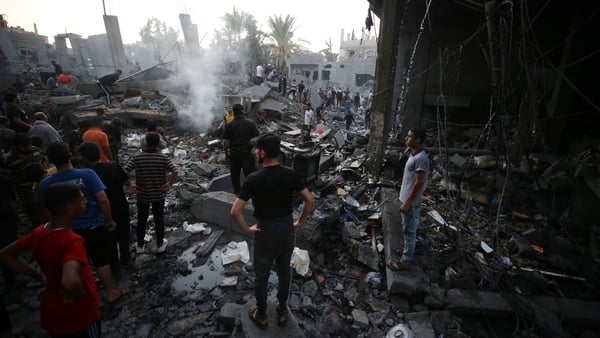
(99, 137)
(51, 249)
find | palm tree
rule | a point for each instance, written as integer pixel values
(282, 35)
(235, 24)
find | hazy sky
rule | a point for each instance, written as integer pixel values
(316, 20)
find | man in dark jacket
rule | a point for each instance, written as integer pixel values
(236, 141)
(107, 81)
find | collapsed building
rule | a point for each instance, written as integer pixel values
(508, 240)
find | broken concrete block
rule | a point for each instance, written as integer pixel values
(214, 208)
(351, 230)
(206, 169)
(364, 253)
(180, 327)
(377, 318)
(360, 318)
(229, 313)
(458, 160)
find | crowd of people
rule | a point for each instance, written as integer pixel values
(65, 198)
(72, 191)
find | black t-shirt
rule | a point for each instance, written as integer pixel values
(113, 177)
(239, 132)
(272, 191)
(75, 139)
(13, 112)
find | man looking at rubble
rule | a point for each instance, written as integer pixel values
(18, 120)
(96, 223)
(96, 135)
(309, 116)
(107, 81)
(44, 130)
(151, 188)
(57, 68)
(414, 183)
(236, 142)
(272, 191)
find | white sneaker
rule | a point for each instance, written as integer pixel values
(141, 250)
(163, 247)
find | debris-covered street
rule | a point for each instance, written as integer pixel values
(508, 240)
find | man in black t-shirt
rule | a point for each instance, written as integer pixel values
(114, 178)
(236, 141)
(272, 192)
(17, 119)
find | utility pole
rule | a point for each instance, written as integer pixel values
(385, 74)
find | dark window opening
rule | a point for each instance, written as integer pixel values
(328, 66)
(325, 75)
(315, 75)
(361, 79)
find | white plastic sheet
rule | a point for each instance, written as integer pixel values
(235, 251)
(196, 228)
(300, 261)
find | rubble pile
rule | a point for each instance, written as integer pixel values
(485, 228)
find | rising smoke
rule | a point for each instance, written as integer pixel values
(195, 89)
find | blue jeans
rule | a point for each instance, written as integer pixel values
(410, 220)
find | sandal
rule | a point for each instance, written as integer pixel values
(260, 321)
(282, 315)
(397, 266)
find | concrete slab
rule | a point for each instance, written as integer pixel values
(214, 208)
(291, 330)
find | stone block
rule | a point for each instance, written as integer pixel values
(477, 302)
(214, 208)
(229, 313)
(364, 253)
(360, 317)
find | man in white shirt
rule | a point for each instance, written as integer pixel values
(309, 116)
(260, 75)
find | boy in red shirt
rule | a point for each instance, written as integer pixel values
(69, 305)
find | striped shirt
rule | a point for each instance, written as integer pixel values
(150, 174)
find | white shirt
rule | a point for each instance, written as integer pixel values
(260, 72)
(308, 117)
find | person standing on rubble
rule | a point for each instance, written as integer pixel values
(107, 81)
(272, 190)
(414, 183)
(69, 305)
(151, 187)
(57, 68)
(236, 143)
(300, 94)
(309, 117)
(114, 178)
(96, 135)
(260, 75)
(112, 129)
(96, 223)
(17, 118)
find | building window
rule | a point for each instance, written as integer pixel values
(325, 75)
(315, 75)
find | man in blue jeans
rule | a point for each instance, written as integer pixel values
(272, 191)
(414, 183)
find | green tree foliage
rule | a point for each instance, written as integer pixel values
(328, 52)
(282, 35)
(157, 35)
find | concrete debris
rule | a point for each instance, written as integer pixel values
(534, 232)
